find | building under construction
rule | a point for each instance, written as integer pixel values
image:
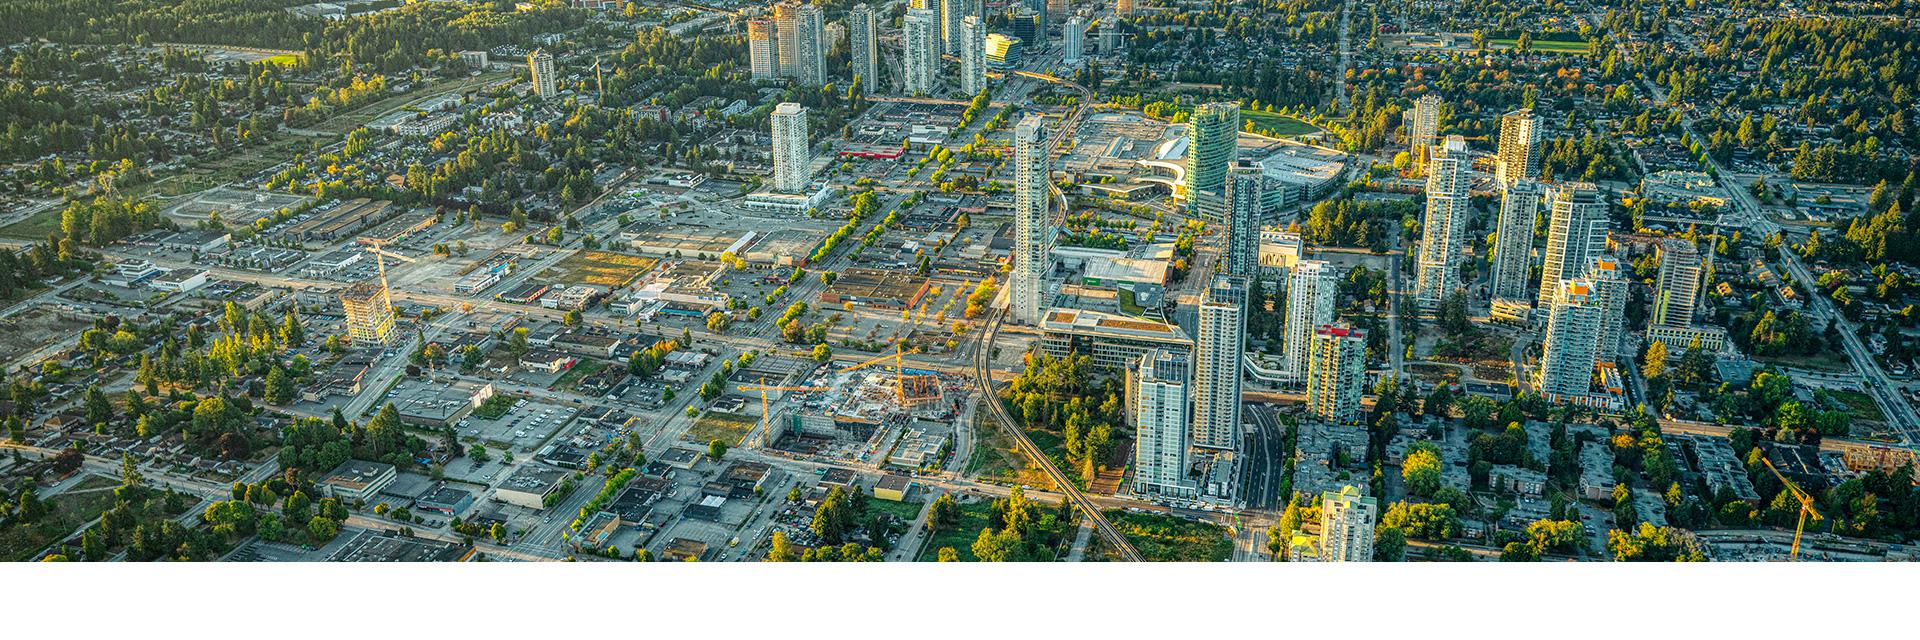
(369, 310)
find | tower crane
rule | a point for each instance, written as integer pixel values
(899, 358)
(1806, 509)
(766, 415)
(378, 249)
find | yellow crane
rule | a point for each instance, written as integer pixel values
(900, 377)
(379, 250)
(766, 416)
(1806, 509)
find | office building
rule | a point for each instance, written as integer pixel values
(1337, 374)
(1423, 128)
(1213, 138)
(972, 38)
(1677, 291)
(1609, 279)
(863, 45)
(1030, 183)
(800, 36)
(1073, 40)
(791, 162)
(1003, 51)
(1041, 9)
(1312, 287)
(1576, 232)
(1519, 154)
(1573, 332)
(762, 55)
(1444, 232)
(1028, 27)
(369, 309)
(1158, 405)
(920, 36)
(1347, 520)
(1245, 191)
(540, 65)
(1110, 36)
(1216, 364)
(1513, 248)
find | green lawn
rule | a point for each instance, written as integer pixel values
(1129, 304)
(1277, 125)
(1862, 406)
(1162, 538)
(905, 511)
(66, 512)
(1547, 46)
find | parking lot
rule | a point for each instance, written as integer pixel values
(524, 427)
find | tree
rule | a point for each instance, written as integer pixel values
(997, 547)
(1654, 365)
(130, 472)
(571, 318)
(322, 529)
(1389, 544)
(944, 513)
(947, 554)
(279, 386)
(1421, 471)
(782, 550)
(822, 353)
(717, 449)
(833, 519)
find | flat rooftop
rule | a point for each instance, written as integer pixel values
(1095, 323)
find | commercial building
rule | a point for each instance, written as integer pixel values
(1423, 127)
(1573, 332)
(1213, 146)
(763, 56)
(792, 168)
(179, 280)
(1110, 340)
(1217, 360)
(1518, 157)
(1677, 291)
(1073, 40)
(1347, 519)
(1513, 248)
(1443, 234)
(972, 42)
(800, 39)
(920, 39)
(530, 485)
(1158, 405)
(1312, 288)
(357, 480)
(1030, 221)
(540, 65)
(863, 44)
(1337, 374)
(1245, 188)
(369, 310)
(1576, 232)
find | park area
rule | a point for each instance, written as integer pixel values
(1544, 46)
(1276, 125)
(1164, 538)
(600, 269)
(66, 512)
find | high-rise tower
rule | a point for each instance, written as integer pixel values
(1246, 188)
(1213, 139)
(863, 45)
(1157, 395)
(1423, 127)
(1573, 333)
(1336, 374)
(1677, 291)
(920, 35)
(1312, 289)
(1216, 364)
(972, 40)
(1519, 153)
(1513, 251)
(791, 162)
(802, 42)
(540, 65)
(1030, 220)
(1443, 234)
(763, 53)
(1576, 232)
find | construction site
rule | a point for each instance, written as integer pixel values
(877, 413)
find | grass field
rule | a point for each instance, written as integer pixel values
(1823, 361)
(1277, 125)
(1161, 538)
(66, 512)
(1546, 46)
(580, 371)
(905, 511)
(601, 268)
(973, 518)
(1862, 406)
(35, 227)
(724, 427)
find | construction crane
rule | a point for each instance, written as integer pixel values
(1806, 509)
(900, 377)
(766, 414)
(378, 249)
